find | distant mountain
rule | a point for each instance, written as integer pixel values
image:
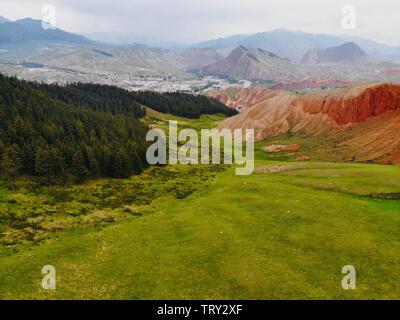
(343, 63)
(197, 58)
(348, 53)
(376, 49)
(285, 43)
(136, 60)
(29, 30)
(254, 64)
(294, 44)
(230, 41)
(119, 38)
(27, 50)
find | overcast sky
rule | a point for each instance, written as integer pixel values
(197, 20)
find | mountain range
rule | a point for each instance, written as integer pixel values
(294, 44)
(345, 62)
(26, 48)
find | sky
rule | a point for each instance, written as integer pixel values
(191, 21)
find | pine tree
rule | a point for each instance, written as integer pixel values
(79, 167)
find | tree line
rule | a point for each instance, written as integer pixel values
(119, 101)
(80, 131)
(182, 104)
(59, 141)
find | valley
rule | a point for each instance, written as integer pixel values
(79, 193)
(277, 234)
(282, 235)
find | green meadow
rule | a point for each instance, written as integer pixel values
(201, 232)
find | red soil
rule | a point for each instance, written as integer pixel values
(365, 118)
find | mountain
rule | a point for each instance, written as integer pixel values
(31, 52)
(294, 44)
(289, 44)
(348, 53)
(362, 121)
(139, 60)
(254, 64)
(28, 30)
(221, 43)
(197, 58)
(260, 65)
(381, 51)
(121, 38)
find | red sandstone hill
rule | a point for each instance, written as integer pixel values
(314, 84)
(239, 98)
(366, 118)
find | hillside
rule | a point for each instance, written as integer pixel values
(239, 98)
(197, 58)
(363, 120)
(347, 53)
(29, 30)
(255, 64)
(94, 96)
(182, 104)
(54, 140)
(138, 60)
(120, 101)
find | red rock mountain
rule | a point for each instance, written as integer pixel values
(365, 119)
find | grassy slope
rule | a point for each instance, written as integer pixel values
(283, 235)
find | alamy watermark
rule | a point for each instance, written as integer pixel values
(349, 21)
(201, 150)
(349, 280)
(49, 17)
(49, 279)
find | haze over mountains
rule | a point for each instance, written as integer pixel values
(28, 50)
(294, 44)
(345, 62)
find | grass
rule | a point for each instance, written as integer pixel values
(317, 148)
(160, 120)
(195, 232)
(32, 211)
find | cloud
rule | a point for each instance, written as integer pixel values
(194, 20)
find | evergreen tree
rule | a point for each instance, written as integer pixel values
(79, 165)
